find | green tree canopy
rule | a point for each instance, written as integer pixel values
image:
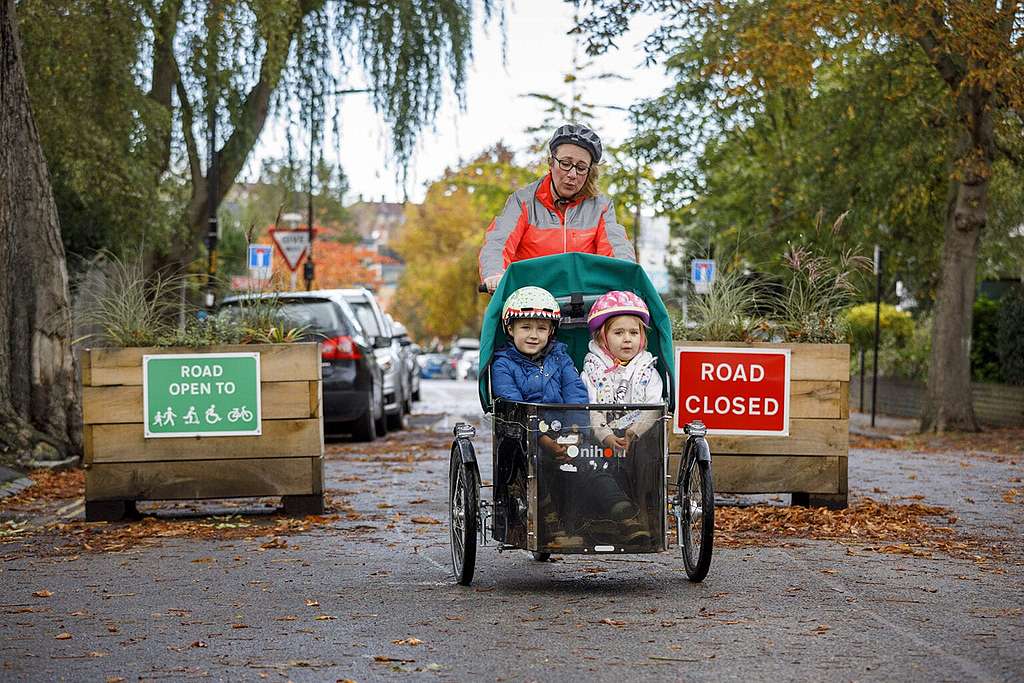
(127, 90)
(441, 241)
(902, 112)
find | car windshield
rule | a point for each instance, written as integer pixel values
(364, 311)
(320, 318)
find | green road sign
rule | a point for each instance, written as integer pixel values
(208, 394)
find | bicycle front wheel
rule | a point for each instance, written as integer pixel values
(463, 502)
(696, 523)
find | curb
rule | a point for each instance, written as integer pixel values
(871, 434)
(15, 486)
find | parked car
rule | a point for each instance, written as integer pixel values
(353, 382)
(409, 353)
(433, 365)
(459, 348)
(469, 365)
(387, 349)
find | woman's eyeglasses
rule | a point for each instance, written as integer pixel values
(566, 165)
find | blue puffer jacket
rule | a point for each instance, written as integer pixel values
(553, 379)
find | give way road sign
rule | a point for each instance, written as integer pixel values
(292, 245)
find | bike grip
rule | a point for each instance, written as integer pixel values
(482, 288)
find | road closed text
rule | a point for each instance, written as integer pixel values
(733, 390)
(737, 405)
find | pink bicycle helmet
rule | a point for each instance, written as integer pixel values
(617, 303)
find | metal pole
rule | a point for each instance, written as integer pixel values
(636, 220)
(307, 269)
(213, 170)
(862, 380)
(878, 316)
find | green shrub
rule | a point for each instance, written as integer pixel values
(1010, 336)
(896, 326)
(984, 344)
(907, 357)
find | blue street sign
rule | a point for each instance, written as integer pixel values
(702, 274)
(259, 256)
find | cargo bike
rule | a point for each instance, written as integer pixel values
(554, 487)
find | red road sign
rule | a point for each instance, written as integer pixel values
(733, 390)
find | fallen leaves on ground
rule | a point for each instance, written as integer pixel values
(408, 641)
(149, 531)
(1010, 496)
(423, 519)
(892, 528)
(43, 594)
(48, 486)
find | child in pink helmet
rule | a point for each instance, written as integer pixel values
(620, 369)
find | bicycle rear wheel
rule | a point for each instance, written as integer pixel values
(696, 522)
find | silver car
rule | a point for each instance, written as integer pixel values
(410, 351)
(388, 351)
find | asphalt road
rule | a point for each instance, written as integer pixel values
(370, 597)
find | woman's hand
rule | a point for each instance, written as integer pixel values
(492, 282)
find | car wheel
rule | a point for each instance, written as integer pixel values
(416, 394)
(365, 427)
(396, 422)
(381, 422)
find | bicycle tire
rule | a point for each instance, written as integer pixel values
(696, 524)
(463, 521)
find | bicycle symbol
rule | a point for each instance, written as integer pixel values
(243, 414)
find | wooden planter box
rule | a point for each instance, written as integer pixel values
(122, 466)
(810, 463)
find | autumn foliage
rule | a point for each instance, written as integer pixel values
(441, 241)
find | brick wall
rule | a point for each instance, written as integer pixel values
(994, 404)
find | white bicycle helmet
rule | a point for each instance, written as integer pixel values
(530, 302)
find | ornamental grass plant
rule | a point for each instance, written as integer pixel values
(727, 312)
(120, 305)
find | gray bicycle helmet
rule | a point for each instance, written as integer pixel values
(575, 134)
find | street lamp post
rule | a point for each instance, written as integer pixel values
(213, 168)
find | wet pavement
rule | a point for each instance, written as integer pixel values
(369, 595)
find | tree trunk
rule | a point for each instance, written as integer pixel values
(39, 407)
(948, 402)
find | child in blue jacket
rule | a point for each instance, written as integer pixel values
(535, 367)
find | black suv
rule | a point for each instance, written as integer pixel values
(353, 385)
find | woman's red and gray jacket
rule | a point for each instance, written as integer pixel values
(531, 225)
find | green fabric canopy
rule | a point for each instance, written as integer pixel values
(587, 274)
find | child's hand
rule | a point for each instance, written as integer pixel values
(556, 449)
(619, 442)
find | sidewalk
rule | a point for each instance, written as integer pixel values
(886, 426)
